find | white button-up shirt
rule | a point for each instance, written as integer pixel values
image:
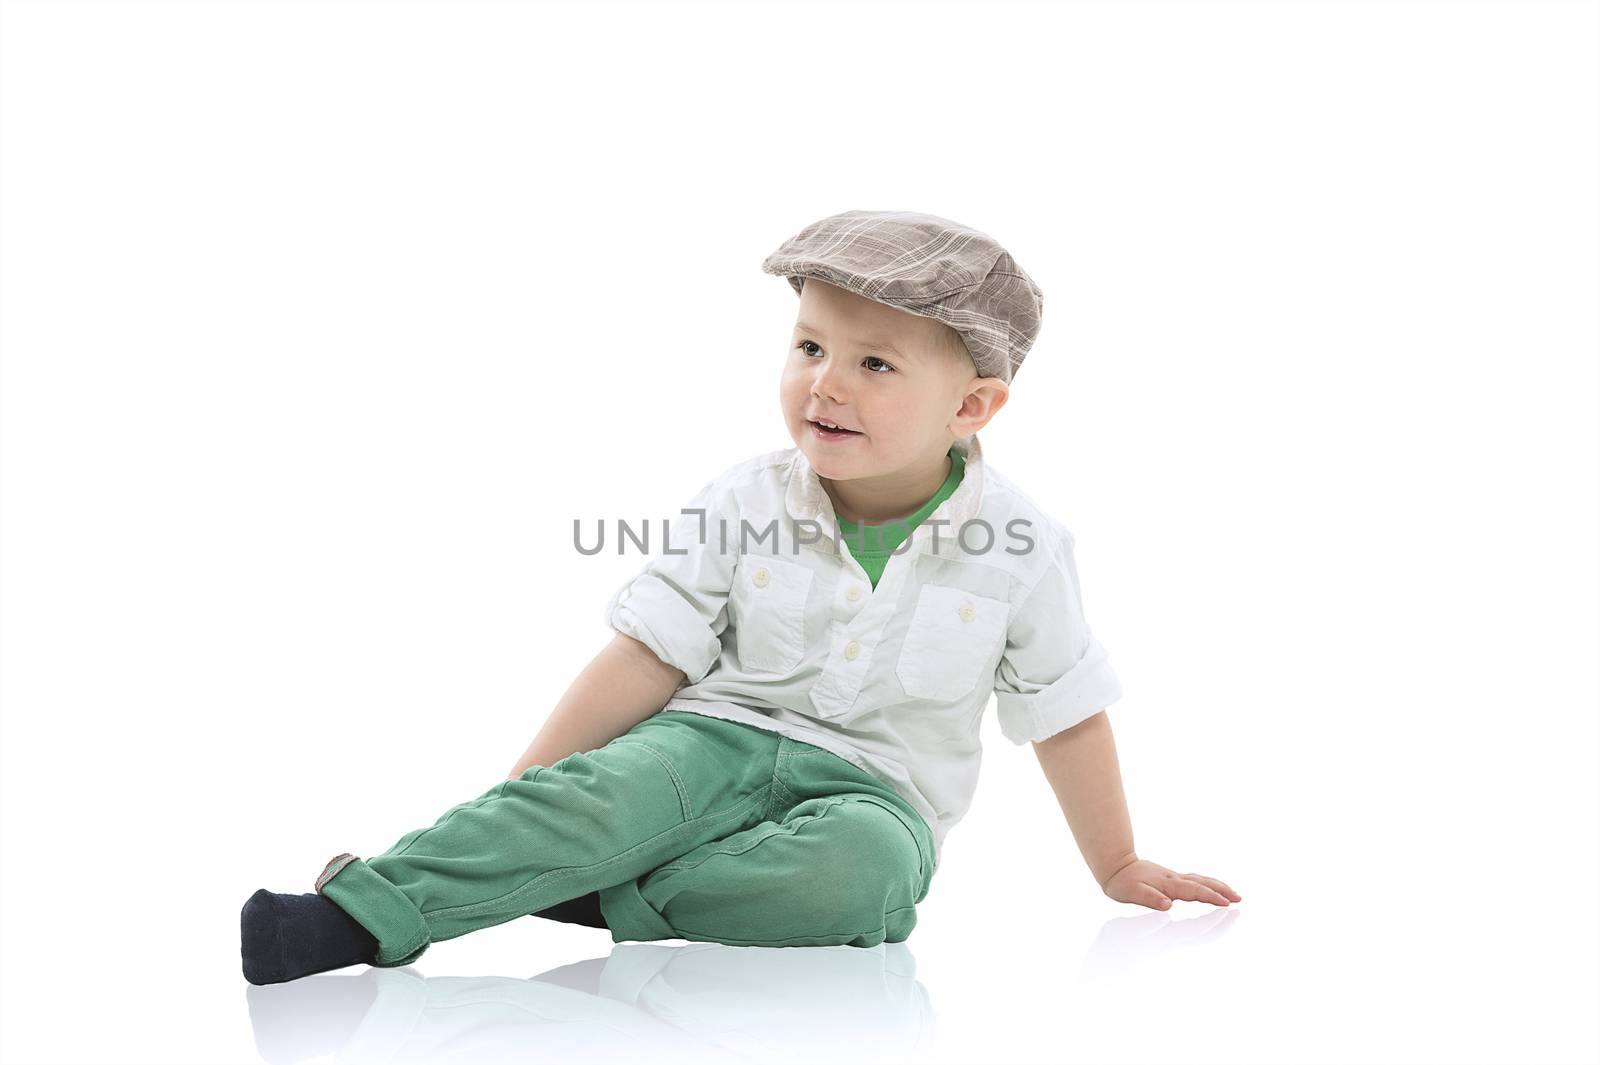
(758, 599)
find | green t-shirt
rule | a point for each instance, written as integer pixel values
(873, 544)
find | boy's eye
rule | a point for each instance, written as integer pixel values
(805, 345)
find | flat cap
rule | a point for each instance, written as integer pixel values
(925, 265)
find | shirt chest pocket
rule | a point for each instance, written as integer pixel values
(769, 605)
(952, 639)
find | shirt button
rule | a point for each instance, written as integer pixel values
(852, 649)
(966, 612)
(853, 594)
(761, 577)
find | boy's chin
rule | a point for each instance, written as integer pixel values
(827, 462)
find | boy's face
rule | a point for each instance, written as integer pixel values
(892, 377)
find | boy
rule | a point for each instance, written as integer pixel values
(785, 726)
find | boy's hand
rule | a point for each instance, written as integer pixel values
(1155, 886)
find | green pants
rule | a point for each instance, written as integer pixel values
(688, 827)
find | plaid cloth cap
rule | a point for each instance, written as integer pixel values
(924, 265)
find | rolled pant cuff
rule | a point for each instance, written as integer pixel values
(378, 906)
(629, 916)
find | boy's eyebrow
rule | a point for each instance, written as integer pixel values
(802, 327)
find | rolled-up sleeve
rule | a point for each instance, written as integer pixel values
(1054, 673)
(677, 605)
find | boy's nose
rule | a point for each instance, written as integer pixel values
(827, 381)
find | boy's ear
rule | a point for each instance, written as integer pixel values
(985, 396)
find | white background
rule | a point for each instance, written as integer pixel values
(324, 321)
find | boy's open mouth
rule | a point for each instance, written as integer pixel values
(826, 433)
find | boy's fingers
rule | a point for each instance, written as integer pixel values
(1194, 891)
(1147, 895)
(1213, 882)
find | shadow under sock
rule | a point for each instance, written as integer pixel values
(304, 1019)
(284, 937)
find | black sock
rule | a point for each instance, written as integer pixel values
(285, 937)
(585, 909)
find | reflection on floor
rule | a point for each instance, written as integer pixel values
(700, 1002)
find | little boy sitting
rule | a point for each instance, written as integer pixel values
(774, 745)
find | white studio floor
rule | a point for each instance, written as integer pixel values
(1427, 965)
(1198, 986)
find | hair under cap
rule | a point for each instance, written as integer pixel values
(925, 265)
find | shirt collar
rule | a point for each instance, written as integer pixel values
(805, 498)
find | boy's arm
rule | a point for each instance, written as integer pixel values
(623, 684)
(1051, 675)
(669, 618)
(1081, 764)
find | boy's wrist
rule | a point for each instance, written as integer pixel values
(1104, 871)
